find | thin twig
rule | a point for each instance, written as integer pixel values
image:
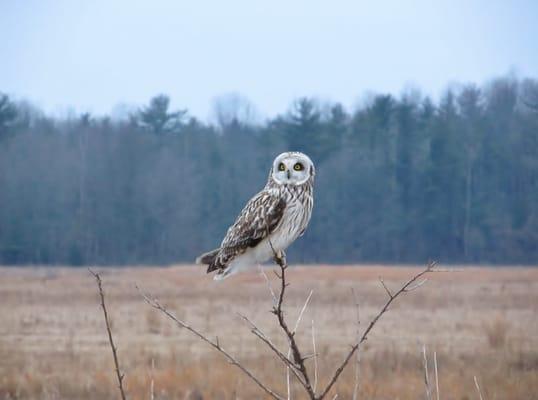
(426, 377)
(215, 344)
(110, 340)
(436, 374)
(478, 388)
(289, 347)
(358, 363)
(264, 338)
(302, 312)
(152, 383)
(416, 285)
(315, 358)
(354, 348)
(385, 287)
(273, 296)
(288, 377)
(449, 270)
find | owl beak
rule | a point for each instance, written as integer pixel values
(289, 174)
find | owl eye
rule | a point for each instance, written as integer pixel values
(281, 167)
(298, 167)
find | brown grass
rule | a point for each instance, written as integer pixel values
(497, 331)
(53, 344)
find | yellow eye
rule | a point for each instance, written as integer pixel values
(298, 167)
(281, 167)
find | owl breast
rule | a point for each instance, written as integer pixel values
(293, 223)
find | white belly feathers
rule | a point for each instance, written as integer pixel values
(294, 221)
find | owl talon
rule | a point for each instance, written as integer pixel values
(280, 257)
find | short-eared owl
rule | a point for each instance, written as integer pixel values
(275, 217)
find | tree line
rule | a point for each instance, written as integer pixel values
(399, 179)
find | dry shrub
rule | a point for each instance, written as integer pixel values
(496, 332)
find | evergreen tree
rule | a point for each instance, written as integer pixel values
(8, 115)
(158, 119)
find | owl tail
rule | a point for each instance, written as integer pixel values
(208, 259)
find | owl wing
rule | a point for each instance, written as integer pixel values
(258, 219)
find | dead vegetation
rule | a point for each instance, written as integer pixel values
(497, 331)
(295, 361)
(52, 343)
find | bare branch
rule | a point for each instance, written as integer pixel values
(110, 340)
(298, 359)
(448, 270)
(309, 356)
(355, 347)
(416, 285)
(263, 337)
(155, 304)
(273, 296)
(289, 348)
(358, 363)
(385, 287)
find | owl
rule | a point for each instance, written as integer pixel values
(272, 219)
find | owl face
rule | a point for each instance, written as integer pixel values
(292, 168)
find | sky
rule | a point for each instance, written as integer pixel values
(105, 56)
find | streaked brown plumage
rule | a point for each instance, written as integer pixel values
(274, 217)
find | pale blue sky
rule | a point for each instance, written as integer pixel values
(94, 55)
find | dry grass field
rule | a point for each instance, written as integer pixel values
(481, 322)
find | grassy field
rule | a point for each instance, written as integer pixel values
(481, 322)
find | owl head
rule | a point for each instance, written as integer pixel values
(292, 168)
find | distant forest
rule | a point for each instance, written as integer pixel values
(400, 179)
